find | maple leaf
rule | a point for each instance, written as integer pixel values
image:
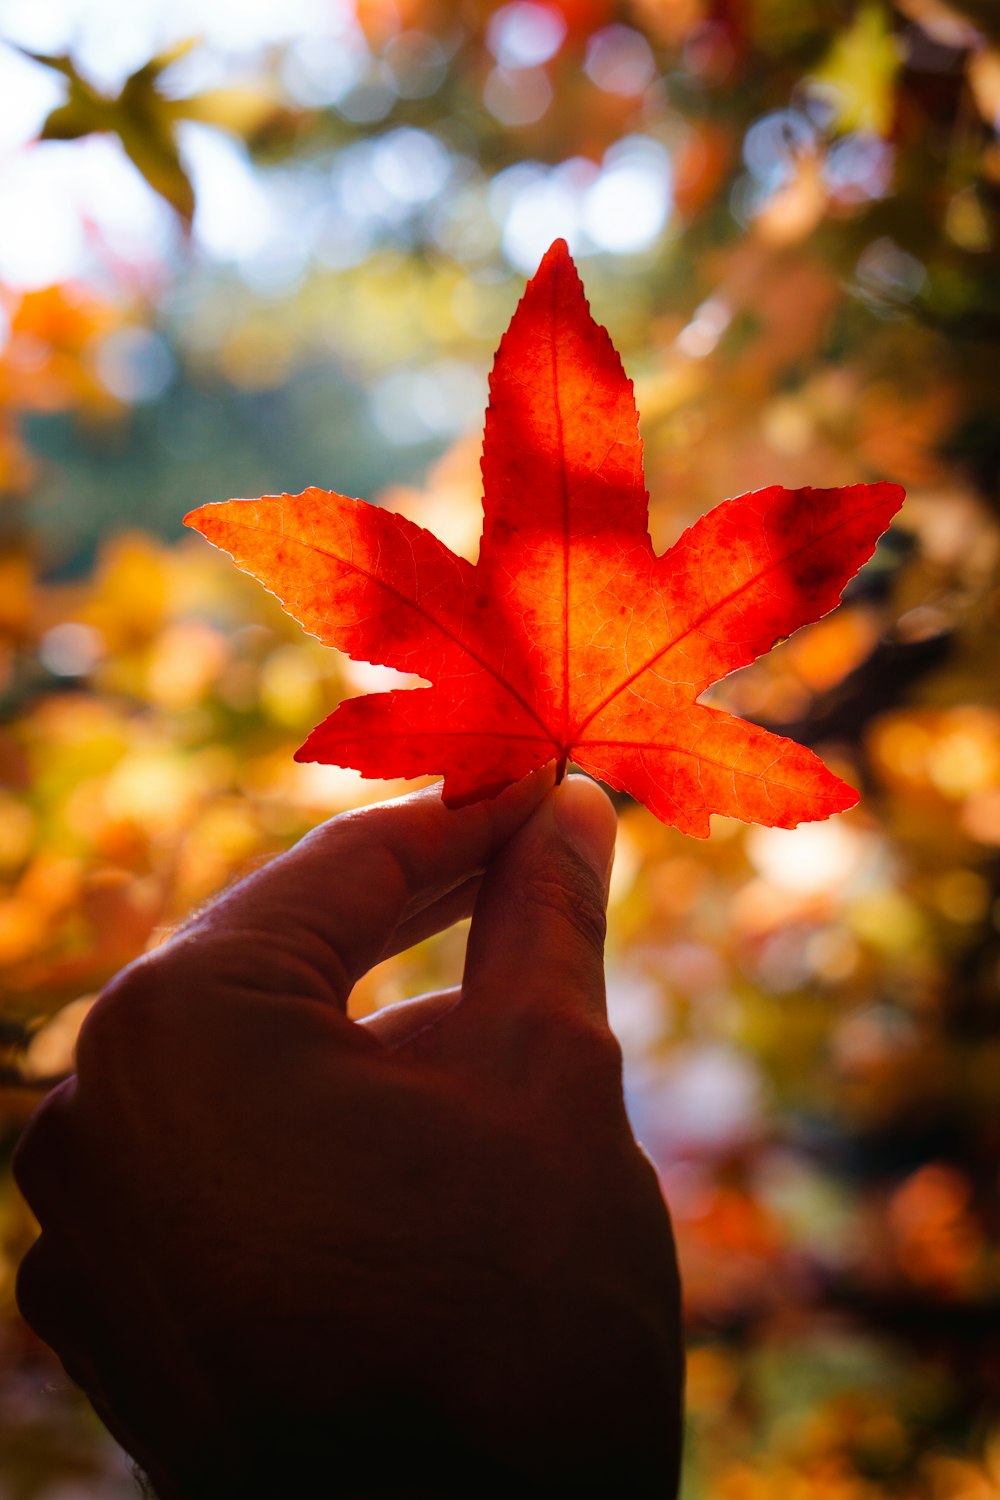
(569, 637)
(145, 117)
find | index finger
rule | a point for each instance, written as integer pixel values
(343, 891)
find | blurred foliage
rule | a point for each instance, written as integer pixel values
(810, 1019)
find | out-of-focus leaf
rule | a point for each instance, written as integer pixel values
(48, 362)
(84, 111)
(859, 73)
(141, 117)
(242, 111)
(145, 118)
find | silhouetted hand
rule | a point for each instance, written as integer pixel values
(287, 1254)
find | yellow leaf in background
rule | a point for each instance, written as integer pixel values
(145, 117)
(83, 110)
(149, 143)
(129, 594)
(966, 223)
(242, 111)
(859, 73)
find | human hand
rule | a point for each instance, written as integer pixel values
(286, 1253)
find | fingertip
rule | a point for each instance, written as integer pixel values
(537, 937)
(529, 791)
(502, 812)
(521, 796)
(585, 817)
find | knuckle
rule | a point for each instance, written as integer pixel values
(33, 1285)
(131, 1038)
(571, 1039)
(595, 1047)
(118, 1014)
(153, 998)
(54, 1300)
(42, 1140)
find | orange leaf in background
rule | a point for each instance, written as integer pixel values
(47, 363)
(569, 638)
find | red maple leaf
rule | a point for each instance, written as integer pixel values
(569, 638)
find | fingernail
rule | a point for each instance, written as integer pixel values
(586, 819)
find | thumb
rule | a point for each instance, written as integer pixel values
(537, 937)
